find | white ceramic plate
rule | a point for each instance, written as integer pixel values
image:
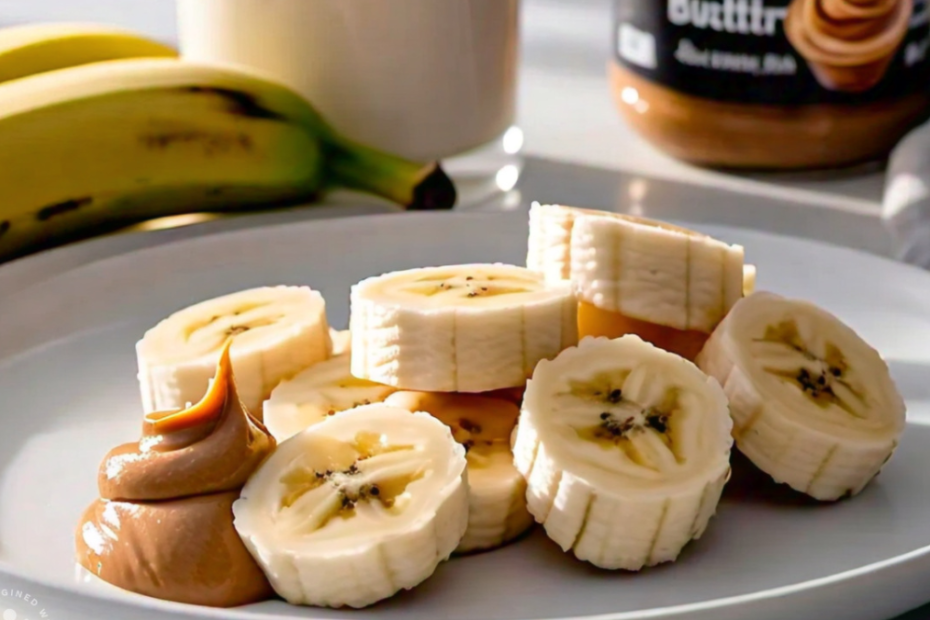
(68, 393)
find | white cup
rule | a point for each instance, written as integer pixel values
(425, 79)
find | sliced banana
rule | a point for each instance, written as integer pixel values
(462, 328)
(749, 280)
(342, 341)
(625, 449)
(316, 393)
(497, 511)
(277, 332)
(669, 285)
(549, 249)
(357, 508)
(813, 405)
(654, 271)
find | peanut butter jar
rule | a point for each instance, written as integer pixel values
(772, 84)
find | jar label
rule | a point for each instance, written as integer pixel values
(778, 52)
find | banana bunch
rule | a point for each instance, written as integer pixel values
(102, 129)
(668, 284)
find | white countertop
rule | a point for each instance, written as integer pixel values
(565, 106)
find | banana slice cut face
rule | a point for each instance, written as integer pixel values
(497, 511)
(814, 406)
(625, 449)
(316, 393)
(462, 328)
(357, 508)
(276, 331)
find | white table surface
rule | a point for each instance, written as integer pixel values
(565, 106)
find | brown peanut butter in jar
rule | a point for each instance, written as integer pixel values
(772, 84)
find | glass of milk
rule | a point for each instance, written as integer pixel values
(425, 79)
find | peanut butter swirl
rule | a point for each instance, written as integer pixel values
(211, 447)
(848, 44)
(163, 525)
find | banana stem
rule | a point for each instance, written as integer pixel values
(414, 185)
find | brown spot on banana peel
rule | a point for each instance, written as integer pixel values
(213, 143)
(59, 208)
(239, 103)
(5, 226)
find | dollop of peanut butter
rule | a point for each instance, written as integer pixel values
(163, 525)
(184, 550)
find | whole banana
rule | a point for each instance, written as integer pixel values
(100, 146)
(31, 49)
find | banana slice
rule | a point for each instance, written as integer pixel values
(342, 341)
(669, 285)
(277, 332)
(625, 449)
(316, 393)
(497, 511)
(749, 280)
(813, 405)
(463, 328)
(357, 508)
(654, 271)
(549, 250)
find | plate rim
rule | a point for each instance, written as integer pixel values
(55, 262)
(656, 613)
(333, 214)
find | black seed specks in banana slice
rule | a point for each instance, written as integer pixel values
(356, 508)
(277, 331)
(461, 328)
(813, 405)
(625, 449)
(497, 511)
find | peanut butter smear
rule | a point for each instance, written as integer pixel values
(163, 525)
